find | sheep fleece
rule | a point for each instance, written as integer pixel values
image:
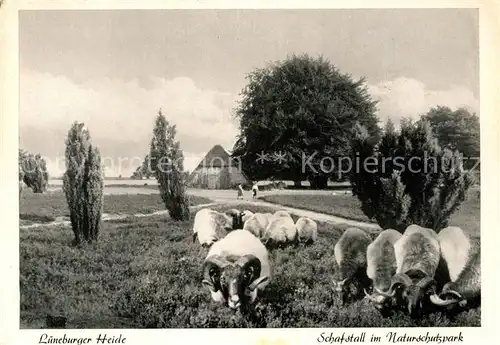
(307, 229)
(455, 249)
(381, 260)
(350, 251)
(257, 224)
(418, 248)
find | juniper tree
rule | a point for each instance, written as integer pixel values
(414, 180)
(83, 184)
(33, 171)
(167, 164)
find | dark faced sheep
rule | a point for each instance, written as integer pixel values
(350, 254)
(236, 268)
(417, 257)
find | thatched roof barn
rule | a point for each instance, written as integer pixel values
(218, 171)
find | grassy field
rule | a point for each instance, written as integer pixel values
(146, 273)
(348, 206)
(44, 208)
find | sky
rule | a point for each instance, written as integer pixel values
(113, 70)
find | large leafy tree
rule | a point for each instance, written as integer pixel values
(299, 110)
(458, 130)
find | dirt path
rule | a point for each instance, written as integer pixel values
(228, 197)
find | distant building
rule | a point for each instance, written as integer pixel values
(218, 171)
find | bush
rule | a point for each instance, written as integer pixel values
(33, 172)
(415, 180)
(166, 151)
(83, 184)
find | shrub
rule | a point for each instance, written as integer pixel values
(415, 181)
(83, 184)
(167, 163)
(33, 172)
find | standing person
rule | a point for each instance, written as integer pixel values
(255, 189)
(240, 192)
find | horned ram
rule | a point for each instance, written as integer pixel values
(417, 259)
(236, 268)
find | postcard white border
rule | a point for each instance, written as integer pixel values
(9, 208)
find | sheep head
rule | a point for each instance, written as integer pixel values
(410, 292)
(381, 301)
(235, 220)
(234, 280)
(341, 287)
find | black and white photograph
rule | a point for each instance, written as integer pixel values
(249, 168)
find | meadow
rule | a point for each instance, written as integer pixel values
(51, 206)
(146, 273)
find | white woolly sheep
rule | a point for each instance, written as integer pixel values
(209, 226)
(381, 266)
(280, 230)
(417, 258)
(257, 224)
(236, 268)
(350, 254)
(307, 230)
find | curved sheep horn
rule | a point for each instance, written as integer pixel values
(211, 267)
(251, 264)
(398, 278)
(425, 282)
(435, 299)
(248, 261)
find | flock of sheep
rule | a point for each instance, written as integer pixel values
(417, 271)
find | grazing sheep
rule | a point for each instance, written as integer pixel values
(209, 226)
(236, 268)
(257, 224)
(307, 230)
(237, 218)
(455, 249)
(417, 259)
(381, 266)
(350, 254)
(280, 230)
(465, 290)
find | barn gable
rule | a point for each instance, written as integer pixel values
(217, 170)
